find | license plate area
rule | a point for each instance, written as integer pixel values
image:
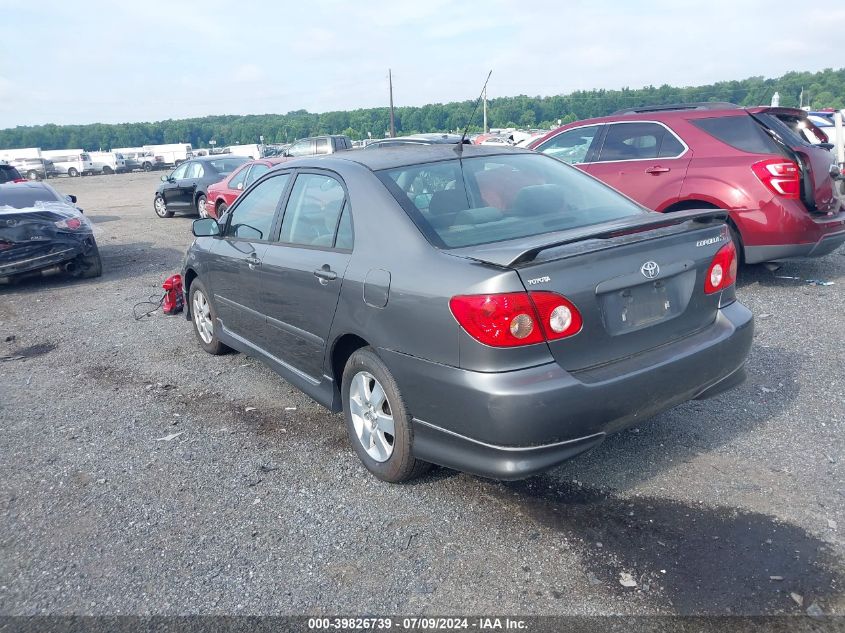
(641, 306)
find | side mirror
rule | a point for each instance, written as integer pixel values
(205, 227)
(165, 178)
(72, 198)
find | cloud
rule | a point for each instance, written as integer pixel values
(247, 73)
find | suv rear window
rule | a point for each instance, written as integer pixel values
(8, 174)
(741, 132)
(501, 197)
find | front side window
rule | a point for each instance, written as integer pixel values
(571, 146)
(239, 179)
(312, 212)
(252, 217)
(493, 198)
(638, 141)
(255, 173)
(195, 171)
(180, 171)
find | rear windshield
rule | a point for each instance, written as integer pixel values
(494, 198)
(741, 132)
(226, 166)
(23, 197)
(8, 174)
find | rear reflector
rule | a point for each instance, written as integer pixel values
(722, 271)
(516, 318)
(781, 176)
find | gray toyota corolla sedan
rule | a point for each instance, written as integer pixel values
(494, 310)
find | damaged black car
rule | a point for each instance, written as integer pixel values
(43, 232)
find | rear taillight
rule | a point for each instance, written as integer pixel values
(71, 224)
(19, 180)
(722, 271)
(516, 318)
(783, 177)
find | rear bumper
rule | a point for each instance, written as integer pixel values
(515, 424)
(58, 255)
(825, 245)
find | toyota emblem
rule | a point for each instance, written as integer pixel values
(650, 270)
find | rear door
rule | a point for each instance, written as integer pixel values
(302, 272)
(235, 267)
(644, 160)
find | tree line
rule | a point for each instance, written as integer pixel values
(824, 89)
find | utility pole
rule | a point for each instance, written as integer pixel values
(392, 119)
(485, 110)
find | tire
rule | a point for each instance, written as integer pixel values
(147, 166)
(89, 266)
(32, 175)
(160, 207)
(108, 170)
(72, 172)
(201, 206)
(386, 455)
(221, 209)
(204, 319)
(737, 240)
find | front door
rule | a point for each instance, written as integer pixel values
(238, 258)
(172, 188)
(302, 273)
(643, 160)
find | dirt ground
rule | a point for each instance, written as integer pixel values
(136, 477)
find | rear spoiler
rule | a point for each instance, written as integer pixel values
(523, 250)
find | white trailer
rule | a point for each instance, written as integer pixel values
(172, 153)
(27, 152)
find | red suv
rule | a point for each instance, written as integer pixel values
(222, 194)
(777, 188)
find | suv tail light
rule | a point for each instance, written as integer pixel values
(782, 177)
(516, 318)
(722, 271)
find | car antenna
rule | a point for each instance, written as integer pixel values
(460, 148)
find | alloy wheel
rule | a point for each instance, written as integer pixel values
(371, 416)
(202, 317)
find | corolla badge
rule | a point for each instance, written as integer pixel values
(650, 270)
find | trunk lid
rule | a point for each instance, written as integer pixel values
(28, 233)
(637, 287)
(815, 162)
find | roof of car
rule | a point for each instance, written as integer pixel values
(407, 154)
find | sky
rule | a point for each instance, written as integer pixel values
(148, 60)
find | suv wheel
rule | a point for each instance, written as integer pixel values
(32, 174)
(147, 166)
(377, 421)
(72, 172)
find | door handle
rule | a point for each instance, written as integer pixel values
(252, 261)
(325, 274)
(657, 170)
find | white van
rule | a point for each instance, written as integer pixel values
(108, 162)
(172, 153)
(72, 162)
(253, 151)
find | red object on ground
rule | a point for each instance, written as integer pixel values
(173, 300)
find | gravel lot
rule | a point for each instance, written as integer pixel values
(720, 506)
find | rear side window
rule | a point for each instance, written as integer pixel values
(322, 146)
(740, 132)
(488, 199)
